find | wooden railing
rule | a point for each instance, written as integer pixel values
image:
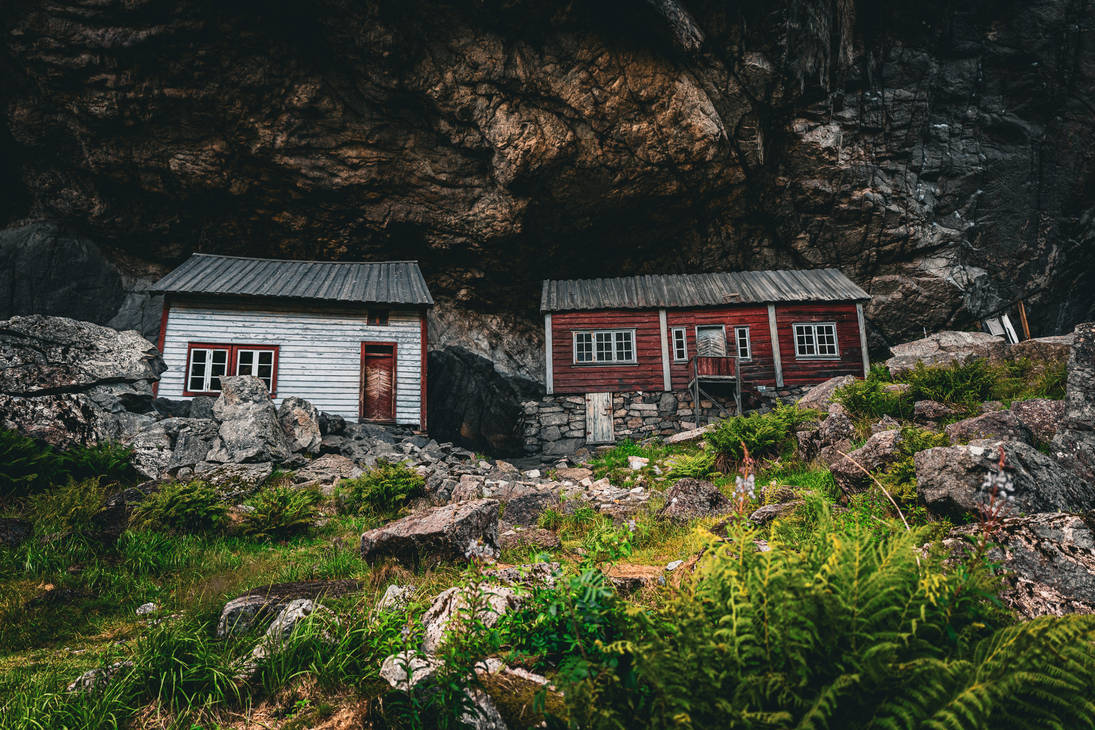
(714, 367)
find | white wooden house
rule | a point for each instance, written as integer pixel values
(348, 336)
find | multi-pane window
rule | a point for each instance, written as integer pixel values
(680, 344)
(259, 363)
(604, 346)
(207, 364)
(378, 317)
(816, 339)
(741, 337)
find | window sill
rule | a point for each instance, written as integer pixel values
(604, 364)
(817, 357)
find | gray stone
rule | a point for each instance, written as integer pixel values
(249, 430)
(96, 680)
(1041, 415)
(944, 348)
(533, 538)
(879, 452)
(395, 598)
(450, 532)
(1074, 443)
(820, 397)
(147, 608)
(692, 498)
(234, 481)
(491, 602)
(1002, 425)
(949, 479)
(930, 411)
(1048, 561)
(75, 383)
(410, 671)
(244, 612)
(201, 406)
(770, 512)
(299, 420)
(327, 471)
(523, 504)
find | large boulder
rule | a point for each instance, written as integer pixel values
(249, 427)
(1041, 415)
(1048, 561)
(944, 348)
(456, 531)
(246, 611)
(1074, 443)
(820, 397)
(69, 383)
(880, 451)
(474, 405)
(300, 421)
(1003, 425)
(454, 605)
(691, 498)
(1042, 349)
(522, 504)
(166, 446)
(949, 479)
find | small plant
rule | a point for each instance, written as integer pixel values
(281, 511)
(763, 434)
(963, 384)
(869, 399)
(607, 542)
(184, 507)
(107, 460)
(698, 465)
(900, 477)
(550, 519)
(745, 483)
(25, 464)
(383, 490)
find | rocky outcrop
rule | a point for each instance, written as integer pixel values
(691, 498)
(820, 397)
(299, 420)
(1001, 425)
(880, 451)
(950, 478)
(244, 612)
(451, 532)
(932, 411)
(1047, 560)
(473, 404)
(455, 605)
(501, 143)
(68, 382)
(1041, 415)
(1074, 443)
(249, 428)
(944, 348)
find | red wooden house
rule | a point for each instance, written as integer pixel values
(754, 329)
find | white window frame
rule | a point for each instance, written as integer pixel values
(725, 345)
(595, 360)
(680, 349)
(256, 352)
(748, 343)
(812, 329)
(207, 384)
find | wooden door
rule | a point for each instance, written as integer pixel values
(377, 381)
(599, 418)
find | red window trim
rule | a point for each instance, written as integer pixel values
(230, 366)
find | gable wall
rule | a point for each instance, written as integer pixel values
(319, 356)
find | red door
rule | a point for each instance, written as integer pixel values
(377, 381)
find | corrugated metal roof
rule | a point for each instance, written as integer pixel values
(674, 291)
(372, 282)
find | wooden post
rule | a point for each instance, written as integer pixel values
(863, 339)
(667, 381)
(1023, 320)
(549, 375)
(774, 333)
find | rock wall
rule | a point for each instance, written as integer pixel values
(939, 153)
(556, 424)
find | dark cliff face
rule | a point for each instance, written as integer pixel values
(940, 154)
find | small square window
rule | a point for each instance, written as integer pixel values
(816, 340)
(378, 317)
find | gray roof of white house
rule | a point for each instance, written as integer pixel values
(359, 282)
(676, 291)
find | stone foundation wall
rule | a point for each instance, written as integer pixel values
(556, 424)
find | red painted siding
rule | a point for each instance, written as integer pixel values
(760, 370)
(646, 374)
(805, 371)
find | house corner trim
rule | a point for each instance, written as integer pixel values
(549, 375)
(774, 332)
(667, 380)
(863, 339)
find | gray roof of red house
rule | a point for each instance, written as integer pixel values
(676, 291)
(359, 282)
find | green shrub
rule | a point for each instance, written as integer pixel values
(869, 399)
(615, 458)
(900, 477)
(848, 629)
(964, 384)
(25, 464)
(550, 519)
(184, 507)
(108, 461)
(383, 490)
(281, 512)
(764, 434)
(698, 465)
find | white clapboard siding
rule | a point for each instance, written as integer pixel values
(319, 355)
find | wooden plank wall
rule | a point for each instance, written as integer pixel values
(804, 372)
(320, 350)
(571, 378)
(758, 371)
